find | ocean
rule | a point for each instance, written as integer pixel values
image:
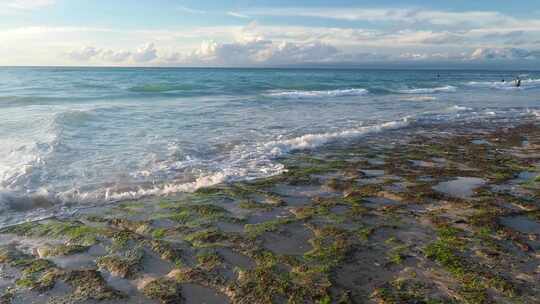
(77, 137)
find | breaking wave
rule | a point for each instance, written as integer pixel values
(445, 89)
(310, 141)
(420, 98)
(161, 88)
(506, 85)
(317, 94)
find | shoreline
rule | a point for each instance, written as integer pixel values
(408, 216)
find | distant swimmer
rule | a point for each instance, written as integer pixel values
(518, 82)
(503, 80)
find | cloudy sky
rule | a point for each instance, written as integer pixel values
(269, 32)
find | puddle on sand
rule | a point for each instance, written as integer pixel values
(230, 227)
(7, 276)
(261, 217)
(522, 224)
(236, 259)
(376, 202)
(480, 142)
(425, 164)
(196, 294)
(293, 241)
(155, 266)
(527, 175)
(376, 161)
(373, 173)
(80, 260)
(462, 187)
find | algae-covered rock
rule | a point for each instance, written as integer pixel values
(76, 232)
(6, 297)
(208, 260)
(199, 238)
(139, 227)
(60, 250)
(88, 284)
(163, 290)
(11, 255)
(40, 275)
(122, 266)
(166, 251)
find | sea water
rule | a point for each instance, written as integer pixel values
(73, 137)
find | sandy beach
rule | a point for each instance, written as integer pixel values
(425, 214)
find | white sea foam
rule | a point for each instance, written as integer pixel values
(457, 108)
(420, 98)
(507, 85)
(19, 155)
(310, 141)
(443, 89)
(317, 94)
(535, 113)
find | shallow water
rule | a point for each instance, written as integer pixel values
(75, 136)
(196, 294)
(462, 187)
(522, 224)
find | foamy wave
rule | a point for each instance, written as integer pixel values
(160, 88)
(429, 90)
(112, 194)
(506, 85)
(420, 98)
(457, 108)
(311, 141)
(318, 94)
(535, 113)
(19, 157)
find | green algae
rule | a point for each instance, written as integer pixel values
(124, 266)
(166, 251)
(39, 275)
(252, 205)
(206, 237)
(163, 290)
(406, 291)
(74, 231)
(123, 239)
(62, 250)
(330, 246)
(255, 230)
(88, 284)
(474, 280)
(208, 260)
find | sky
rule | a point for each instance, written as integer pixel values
(253, 33)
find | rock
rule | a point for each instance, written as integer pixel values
(166, 291)
(88, 284)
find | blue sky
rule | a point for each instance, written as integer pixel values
(267, 33)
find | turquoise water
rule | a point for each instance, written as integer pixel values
(71, 137)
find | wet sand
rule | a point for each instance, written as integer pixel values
(444, 214)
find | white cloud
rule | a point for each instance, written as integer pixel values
(190, 10)
(145, 53)
(26, 4)
(504, 54)
(115, 56)
(259, 44)
(237, 15)
(465, 19)
(259, 51)
(84, 54)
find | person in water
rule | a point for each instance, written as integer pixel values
(518, 82)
